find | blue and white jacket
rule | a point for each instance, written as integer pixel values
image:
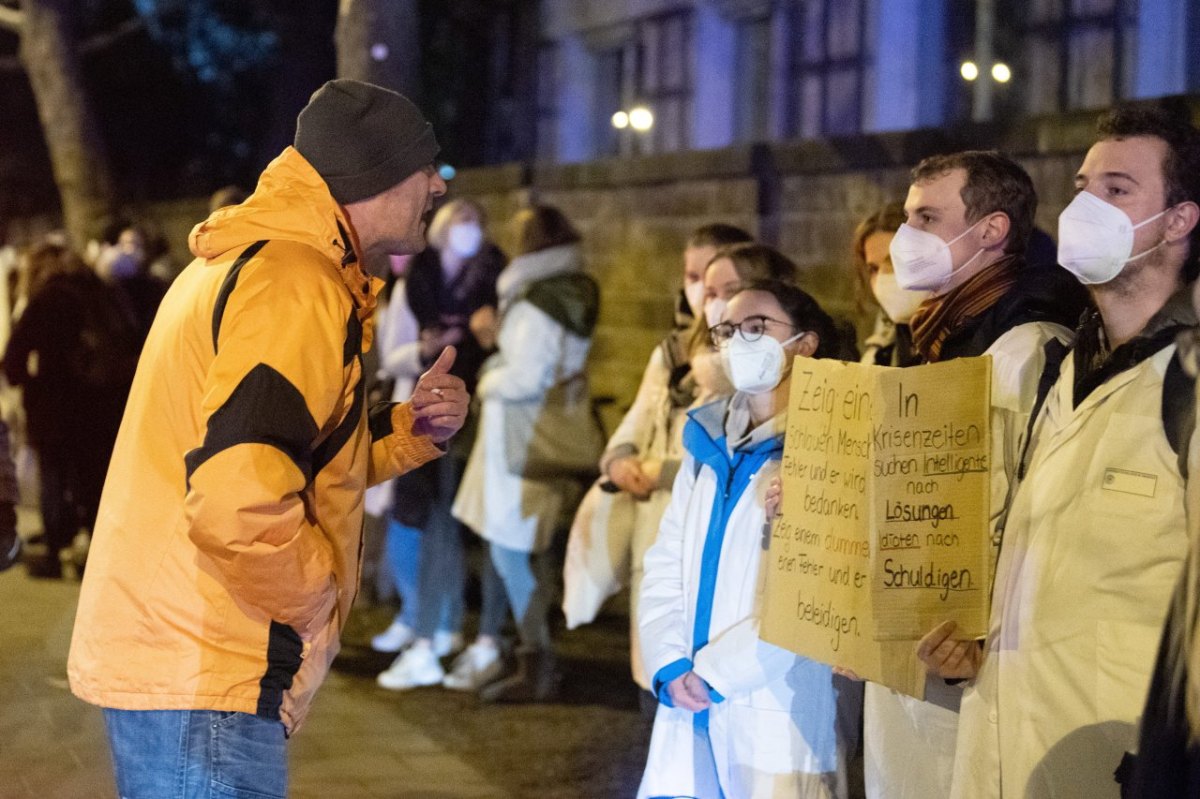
(773, 728)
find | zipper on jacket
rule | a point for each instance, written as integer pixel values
(732, 473)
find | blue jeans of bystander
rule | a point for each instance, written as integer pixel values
(528, 579)
(403, 550)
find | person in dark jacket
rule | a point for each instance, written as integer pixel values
(73, 352)
(126, 266)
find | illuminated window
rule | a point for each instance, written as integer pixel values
(829, 66)
(1081, 52)
(651, 66)
(752, 98)
(665, 78)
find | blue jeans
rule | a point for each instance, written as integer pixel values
(403, 550)
(443, 572)
(196, 754)
(528, 583)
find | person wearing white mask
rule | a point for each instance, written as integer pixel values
(446, 284)
(643, 453)
(890, 343)
(738, 716)
(969, 218)
(1095, 536)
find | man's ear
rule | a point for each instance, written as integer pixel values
(996, 229)
(1181, 220)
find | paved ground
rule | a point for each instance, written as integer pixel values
(360, 741)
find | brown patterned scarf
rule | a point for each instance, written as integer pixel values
(940, 317)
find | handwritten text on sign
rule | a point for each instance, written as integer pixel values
(885, 513)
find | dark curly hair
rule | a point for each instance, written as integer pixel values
(1170, 122)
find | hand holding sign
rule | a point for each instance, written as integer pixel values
(948, 658)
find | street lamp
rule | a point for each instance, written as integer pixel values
(641, 119)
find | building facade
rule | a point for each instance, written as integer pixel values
(715, 73)
(797, 118)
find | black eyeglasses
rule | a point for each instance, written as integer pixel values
(752, 327)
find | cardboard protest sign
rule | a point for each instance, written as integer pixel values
(884, 530)
(931, 456)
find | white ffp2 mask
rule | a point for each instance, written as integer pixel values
(465, 239)
(1095, 239)
(898, 303)
(713, 310)
(922, 260)
(755, 367)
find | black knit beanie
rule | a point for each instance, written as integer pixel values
(363, 139)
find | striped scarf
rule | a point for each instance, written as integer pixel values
(938, 318)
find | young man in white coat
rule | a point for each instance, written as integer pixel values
(969, 218)
(1095, 536)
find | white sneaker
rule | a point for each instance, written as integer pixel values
(446, 643)
(478, 665)
(394, 638)
(418, 666)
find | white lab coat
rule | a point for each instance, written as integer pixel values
(534, 352)
(909, 743)
(1094, 545)
(611, 532)
(784, 724)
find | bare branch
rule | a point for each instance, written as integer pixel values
(12, 19)
(100, 41)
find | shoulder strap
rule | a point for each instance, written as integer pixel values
(1056, 352)
(1179, 409)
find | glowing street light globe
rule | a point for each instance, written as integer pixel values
(641, 119)
(620, 120)
(1001, 73)
(968, 70)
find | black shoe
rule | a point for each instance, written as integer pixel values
(47, 566)
(537, 679)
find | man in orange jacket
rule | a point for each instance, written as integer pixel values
(227, 550)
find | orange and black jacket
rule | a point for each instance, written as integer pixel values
(227, 551)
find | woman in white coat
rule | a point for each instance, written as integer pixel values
(643, 454)
(738, 717)
(548, 310)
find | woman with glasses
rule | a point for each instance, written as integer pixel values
(737, 716)
(642, 455)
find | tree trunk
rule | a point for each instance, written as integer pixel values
(379, 41)
(77, 152)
